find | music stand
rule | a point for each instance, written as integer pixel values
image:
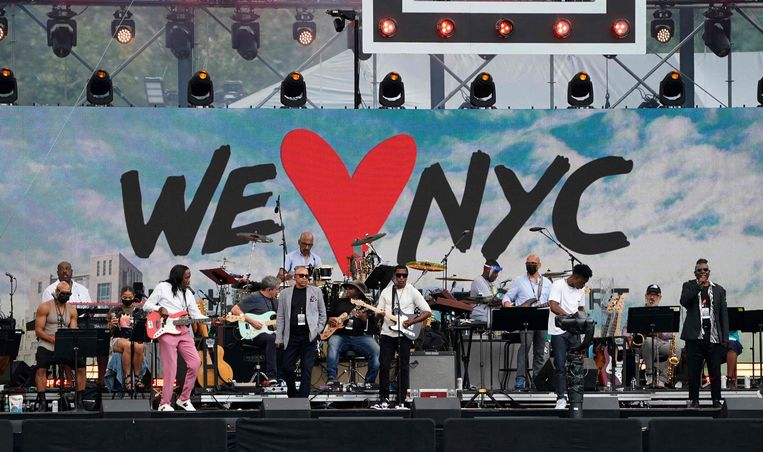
(10, 340)
(753, 323)
(651, 320)
(380, 277)
(523, 320)
(73, 343)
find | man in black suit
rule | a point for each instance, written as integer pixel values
(706, 331)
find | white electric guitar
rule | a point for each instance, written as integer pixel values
(412, 332)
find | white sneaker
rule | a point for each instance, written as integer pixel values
(166, 407)
(381, 405)
(561, 404)
(185, 404)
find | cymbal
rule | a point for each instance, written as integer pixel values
(368, 239)
(254, 237)
(556, 274)
(453, 278)
(425, 266)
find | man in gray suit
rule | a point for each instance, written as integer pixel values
(301, 317)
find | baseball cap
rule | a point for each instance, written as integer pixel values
(653, 288)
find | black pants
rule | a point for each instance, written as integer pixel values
(387, 348)
(698, 352)
(303, 348)
(560, 344)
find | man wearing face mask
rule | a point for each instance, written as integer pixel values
(51, 316)
(121, 320)
(65, 273)
(527, 290)
(484, 286)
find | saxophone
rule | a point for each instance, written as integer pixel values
(672, 360)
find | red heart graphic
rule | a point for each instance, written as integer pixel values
(347, 206)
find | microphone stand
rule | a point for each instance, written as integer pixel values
(572, 257)
(12, 291)
(283, 236)
(444, 260)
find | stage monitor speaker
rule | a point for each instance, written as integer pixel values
(437, 409)
(6, 435)
(747, 407)
(544, 381)
(591, 374)
(125, 407)
(433, 370)
(601, 407)
(285, 408)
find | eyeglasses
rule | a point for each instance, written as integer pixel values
(701, 270)
(301, 275)
(401, 275)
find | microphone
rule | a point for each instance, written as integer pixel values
(9, 275)
(536, 229)
(278, 204)
(466, 232)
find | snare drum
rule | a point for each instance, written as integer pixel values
(324, 272)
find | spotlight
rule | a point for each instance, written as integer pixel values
(580, 91)
(388, 27)
(3, 25)
(61, 30)
(8, 90)
(200, 92)
(304, 29)
(392, 91)
(760, 92)
(621, 28)
(672, 90)
(504, 27)
(717, 34)
(663, 26)
(293, 91)
(562, 28)
(123, 27)
(446, 27)
(179, 33)
(99, 89)
(482, 91)
(245, 33)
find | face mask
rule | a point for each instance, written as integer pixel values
(64, 297)
(531, 268)
(127, 302)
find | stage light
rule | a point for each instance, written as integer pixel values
(388, 27)
(179, 33)
(293, 91)
(304, 29)
(672, 90)
(201, 91)
(663, 26)
(123, 27)
(760, 92)
(3, 25)
(621, 28)
(446, 27)
(339, 24)
(8, 89)
(61, 30)
(504, 27)
(580, 91)
(562, 28)
(99, 89)
(392, 91)
(245, 33)
(717, 34)
(482, 91)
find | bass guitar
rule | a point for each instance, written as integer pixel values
(247, 331)
(156, 325)
(329, 330)
(412, 332)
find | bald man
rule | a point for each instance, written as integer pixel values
(301, 257)
(65, 273)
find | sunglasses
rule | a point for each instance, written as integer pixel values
(701, 270)
(401, 275)
(301, 275)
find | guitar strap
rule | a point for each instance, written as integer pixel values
(540, 287)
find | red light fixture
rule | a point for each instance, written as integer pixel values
(562, 28)
(621, 28)
(388, 27)
(504, 27)
(446, 27)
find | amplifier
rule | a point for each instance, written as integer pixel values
(433, 370)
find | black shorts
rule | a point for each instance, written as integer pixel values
(45, 359)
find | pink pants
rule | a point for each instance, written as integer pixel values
(169, 347)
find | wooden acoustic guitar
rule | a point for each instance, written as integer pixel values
(213, 353)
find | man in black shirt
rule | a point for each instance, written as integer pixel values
(356, 333)
(260, 302)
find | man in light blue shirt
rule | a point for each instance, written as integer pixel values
(301, 257)
(529, 289)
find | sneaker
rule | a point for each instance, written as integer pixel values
(519, 383)
(185, 404)
(331, 382)
(166, 407)
(401, 406)
(382, 404)
(561, 404)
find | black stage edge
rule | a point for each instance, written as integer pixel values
(705, 435)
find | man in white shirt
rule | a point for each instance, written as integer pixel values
(566, 297)
(529, 289)
(65, 273)
(301, 257)
(484, 286)
(406, 298)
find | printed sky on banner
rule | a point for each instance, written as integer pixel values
(691, 188)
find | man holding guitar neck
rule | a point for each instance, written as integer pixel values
(528, 290)
(258, 303)
(404, 298)
(354, 332)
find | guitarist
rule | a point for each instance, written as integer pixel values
(260, 302)
(527, 290)
(404, 298)
(170, 297)
(356, 334)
